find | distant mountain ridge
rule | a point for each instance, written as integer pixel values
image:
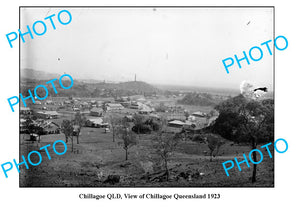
(38, 75)
(87, 88)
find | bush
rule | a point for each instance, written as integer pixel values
(142, 129)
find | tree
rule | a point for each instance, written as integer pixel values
(114, 122)
(79, 121)
(129, 137)
(138, 121)
(68, 129)
(33, 128)
(161, 107)
(142, 129)
(155, 125)
(186, 114)
(29, 126)
(164, 144)
(213, 141)
(246, 121)
(39, 131)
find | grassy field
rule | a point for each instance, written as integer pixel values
(97, 156)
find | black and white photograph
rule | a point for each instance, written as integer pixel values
(149, 106)
(147, 97)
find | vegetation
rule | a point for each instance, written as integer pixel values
(33, 129)
(213, 141)
(128, 137)
(138, 121)
(165, 144)
(114, 121)
(161, 108)
(246, 121)
(198, 99)
(143, 125)
(78, 122)
(68, 129)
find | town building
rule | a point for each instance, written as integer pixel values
(114, 106)
(96, 112)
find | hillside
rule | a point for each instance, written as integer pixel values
(39, 75)
(137, 86)
(93, 90)
(198, 99)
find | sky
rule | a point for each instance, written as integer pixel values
(172, 46)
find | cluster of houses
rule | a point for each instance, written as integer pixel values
(48, 127)
(100, 107)
(195, 120)
(40, 114)
(95, 111)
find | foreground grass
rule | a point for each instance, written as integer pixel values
(97, 156)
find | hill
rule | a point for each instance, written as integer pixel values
(137, 86)
(198, 99)
(83, 88)
(35, 74)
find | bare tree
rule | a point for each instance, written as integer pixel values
(79, 121)
(114, 122)
(165, 144)
(68, 129)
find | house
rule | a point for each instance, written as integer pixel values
(51, 128)
(135, 105)
(145, 109)
(25, 110)
(94, 122)
(176, 123)
(84, 104)
(48, 114)
(114, 106)
(125, 104)
(199, 114)
(96, 112)
(179, 124)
